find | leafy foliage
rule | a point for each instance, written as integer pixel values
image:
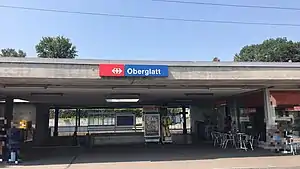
(9, 52)
(71, 113)
(56, 47)
(216, 59)
(271, 50)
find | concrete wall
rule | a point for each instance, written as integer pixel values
(89, 69)
(198, 113)
(221, 117)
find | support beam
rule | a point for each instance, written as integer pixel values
(56, 114)
(269, 115)
(184, 130)
(76, 121)
(235, 115)
(8, 111)
(79, 114)
(42, 124)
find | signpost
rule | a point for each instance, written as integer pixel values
(124, 70)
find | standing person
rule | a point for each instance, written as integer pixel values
(228, 123)
(14, 140)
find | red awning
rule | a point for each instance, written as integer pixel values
(285, 97)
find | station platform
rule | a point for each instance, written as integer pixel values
(159, 156)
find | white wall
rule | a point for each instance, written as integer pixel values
(221, 118)
(22, 112)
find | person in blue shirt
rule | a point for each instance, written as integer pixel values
(14, 141)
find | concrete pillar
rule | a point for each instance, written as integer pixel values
(79, 114)
(8, 111)
(76, 120)
(270, 115)
(42, 124)
(56, 114)
(221, 117)
(163, 111)
(238, 107)
(233, 109)
(2, 111)
(184, 129)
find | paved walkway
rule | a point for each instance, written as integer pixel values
(233, 163)
(181, 157)
(251, 162)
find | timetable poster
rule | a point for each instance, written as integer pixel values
(152, 125)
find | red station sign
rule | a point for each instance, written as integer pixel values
(111, 70)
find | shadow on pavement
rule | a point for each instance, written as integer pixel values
(136, 153)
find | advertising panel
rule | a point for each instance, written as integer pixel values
(152, 125)
(125, 120)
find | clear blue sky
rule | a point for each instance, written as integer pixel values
(98, 37)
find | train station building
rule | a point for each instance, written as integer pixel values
(254, 96)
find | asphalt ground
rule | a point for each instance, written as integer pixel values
(202, 156)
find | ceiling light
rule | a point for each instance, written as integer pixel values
(24, 87)
(122, 100)
(47, 94)
(183, 100)
(194, 86)
(16, 86)
(129, 88)
(226, 88)
(16, 101)
(199, 94)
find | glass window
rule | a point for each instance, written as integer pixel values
(101, 119)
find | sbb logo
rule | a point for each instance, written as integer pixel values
(116, 71)
(111, 70)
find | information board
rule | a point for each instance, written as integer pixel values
(125, 120)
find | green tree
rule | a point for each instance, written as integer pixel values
(271, 50)
(56, 47)
(9, 52)
(216, 59)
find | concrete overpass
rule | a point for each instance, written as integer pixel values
(77, 82)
